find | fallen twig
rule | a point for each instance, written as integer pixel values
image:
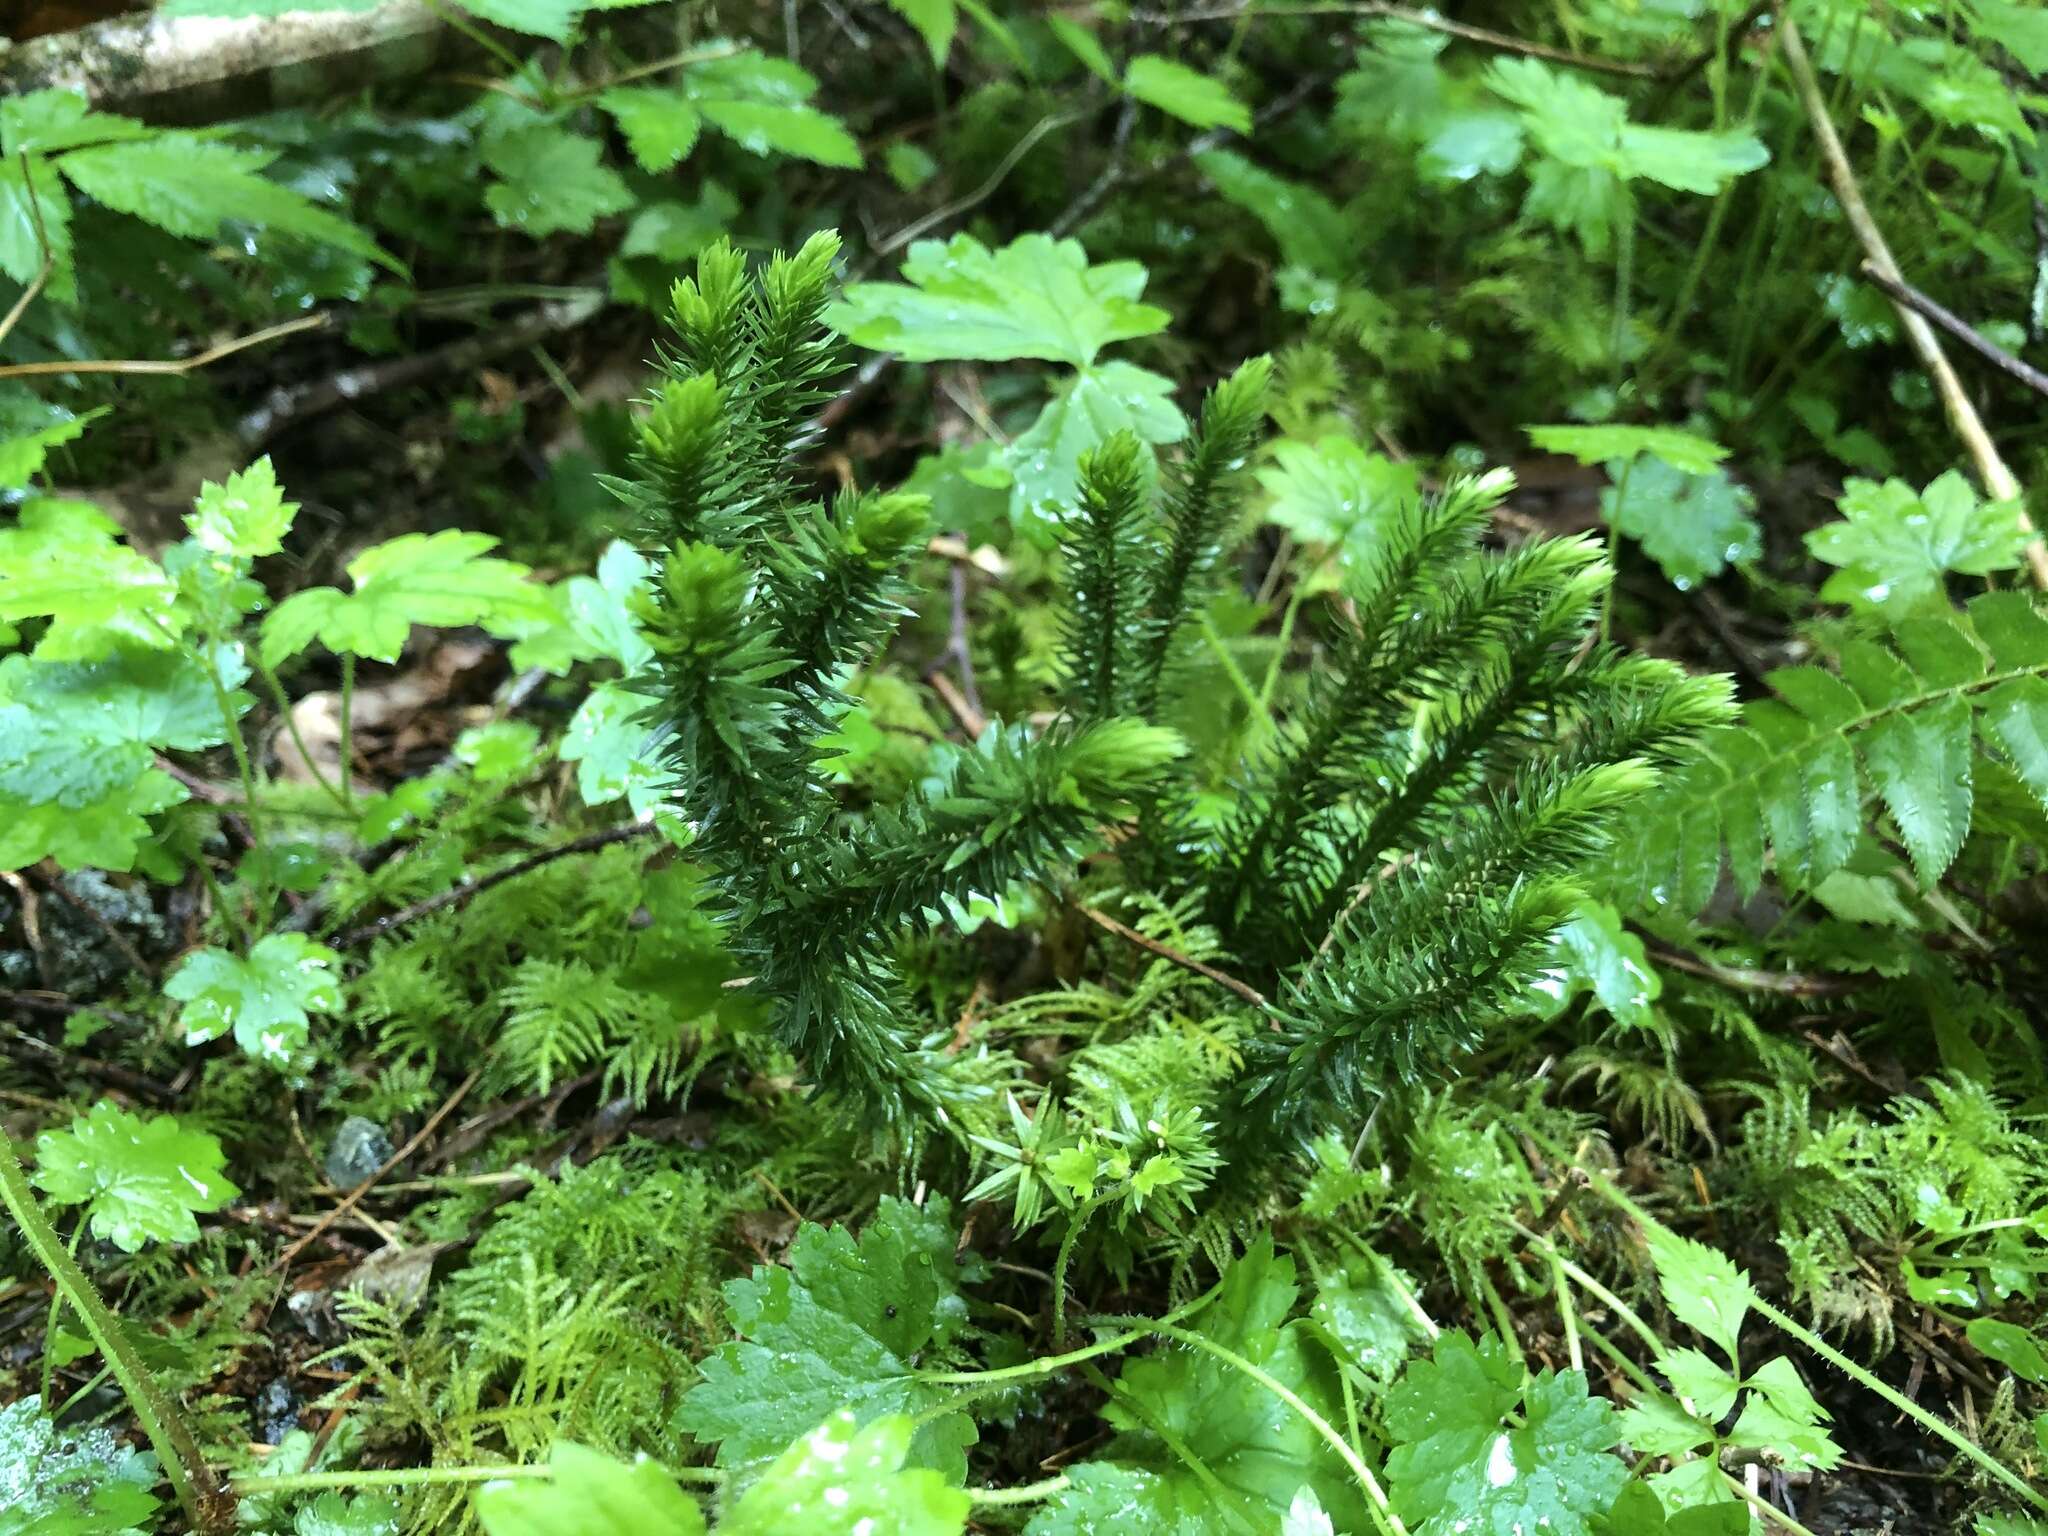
(149, 61)
(1748, 979)
(1168, 953)
(98, 919)
(49, 265)
(982, 193)
(174, 365)
(107, 1071)
(1428, 20)
(288, 405)
(462, 895)
(1998, 480)
(1905, 293)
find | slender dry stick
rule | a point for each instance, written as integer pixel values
(1991, 467)
(208, 1506)
(171, 366)
(35, 213)
(982, 193)
(1173, 956)
(1958, 327)
(1429, 20)
(461, 895)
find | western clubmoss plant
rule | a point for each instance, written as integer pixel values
(1401, 853)
(762, 603)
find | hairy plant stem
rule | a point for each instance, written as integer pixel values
(246, 768)
(433, 1477)
(1025, 1493)
(1046, 1365)
(1235, 673)
(56, 1315)
(1088, 1208)
(291, 725)
(208, 1506)
(348, 745)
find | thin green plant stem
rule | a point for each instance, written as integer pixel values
(1023, 1493)
(1594, 1288)
(221, 905)
(56, 1314)
(1568, 1313)
(246, 768)
(1376, 1496)
(1624, 288)
(1503, 1319)
(455, 21)
(1900, 1401)
(1287, 618)
(1618, 1357)
(1182, 1451)
(1769, 1511)
(1614, 546)
(208, 1506)
(1400, 1287)
(81, 1394)
(432, 1477)
(1088, 1208)
(348, 745)
(1046, 1365)
(1235, 673)
(1688, 289)
(641, 71)
(291, 725)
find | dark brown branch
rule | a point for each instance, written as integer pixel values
(98, 919)
(1748, 979)
(1679, 74)
(1503, 41)
(288, 405)
(106, 1071)
(462, 895)
(1173, 956)
(1905, 293)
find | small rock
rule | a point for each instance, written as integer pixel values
(277, 1411)
(358, 1150)
(314, 1312)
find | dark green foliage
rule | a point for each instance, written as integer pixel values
(762, 604)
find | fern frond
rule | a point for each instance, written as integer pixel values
(1905, 720)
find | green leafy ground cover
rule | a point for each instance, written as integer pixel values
(1305, 798)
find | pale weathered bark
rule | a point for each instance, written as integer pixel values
(199, 68)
